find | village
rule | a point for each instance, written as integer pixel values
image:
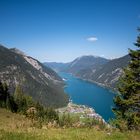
(82, 110)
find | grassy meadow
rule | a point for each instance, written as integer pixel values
(18, 127)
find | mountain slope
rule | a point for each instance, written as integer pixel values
(57, 66)
(36, 80)
(107, 75)
(86, 62)
(95, 69)
(79, 64)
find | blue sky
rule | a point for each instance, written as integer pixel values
(61, 30)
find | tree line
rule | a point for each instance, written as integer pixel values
(24, 104)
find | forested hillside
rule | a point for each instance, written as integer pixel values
(36, 80)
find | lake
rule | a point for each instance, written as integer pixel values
(90, 94)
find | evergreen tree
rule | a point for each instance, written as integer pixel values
(11, 104)
(23, 101)
(7, 100)
(1, 94)
(18, 96)
(127, 103)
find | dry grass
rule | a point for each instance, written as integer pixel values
(12, 121)
(17, 127)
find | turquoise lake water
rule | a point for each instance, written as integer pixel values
(92, 95)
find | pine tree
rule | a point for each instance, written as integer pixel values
(3, 94)
(7, 100)
(127, 103)
(19, 99)
(23, 101)
(11, 104)
(2, 103)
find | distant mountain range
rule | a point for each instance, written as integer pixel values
(79, 64)
(99, 70)
(35, 79)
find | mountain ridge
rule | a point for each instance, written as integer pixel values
(35, 79)
(104, 72)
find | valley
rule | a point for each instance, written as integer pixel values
(69, 70)
(98, 70)
(86, 93)
(46, 86)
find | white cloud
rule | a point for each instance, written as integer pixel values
(102, 55)
(92, 39)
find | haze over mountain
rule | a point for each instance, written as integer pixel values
(99, 70)
(36, 80)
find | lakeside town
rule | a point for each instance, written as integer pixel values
(82, 110)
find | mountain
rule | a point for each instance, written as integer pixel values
(79, 64)
(108, 74)
(57, 66)
(95, 69)
(35, 79)
(85, 62)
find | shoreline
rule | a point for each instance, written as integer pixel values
(86, 106)
(99, 84)
(113, 90)
(83, 110)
